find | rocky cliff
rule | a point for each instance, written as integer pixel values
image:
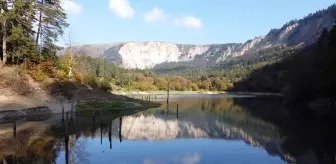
(150, 54)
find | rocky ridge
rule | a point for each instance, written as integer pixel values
(152, 54)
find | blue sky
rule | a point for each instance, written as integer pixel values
(180, 21)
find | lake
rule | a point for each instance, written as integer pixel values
(188, 130)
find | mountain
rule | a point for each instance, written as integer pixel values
(305, 76)
(153, 54)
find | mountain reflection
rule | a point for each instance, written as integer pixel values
(210, 118)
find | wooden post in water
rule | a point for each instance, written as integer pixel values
(14, 128)
(101, 126)
(77, 108)
(62, 112)
(66, 124)
(101, 114)
(93, 123)
(101, 132)
(177, 111)
(110, 134)
(71, 114)
(66, 116)
(66, 139)
(120, 126)
(168, 88)
(94, 114)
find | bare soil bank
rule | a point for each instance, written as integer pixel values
(18, 91)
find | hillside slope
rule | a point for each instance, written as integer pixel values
(19, 91)
(305, 76)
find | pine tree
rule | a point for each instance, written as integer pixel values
(51, 20)
(20, 37)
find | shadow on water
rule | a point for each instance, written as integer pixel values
(303, 134)
(260, 123)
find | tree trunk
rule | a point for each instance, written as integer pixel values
(39, 30)
(70, 67)
(39, 25)
(4, 38)
(4, 44)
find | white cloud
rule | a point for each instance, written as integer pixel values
(190, 22)
(159, 15)
(156, 14)
(71, 7)
(190, 158)
(122, 8)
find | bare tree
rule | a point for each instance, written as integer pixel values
(71, 51)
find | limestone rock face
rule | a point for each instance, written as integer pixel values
(151, 54)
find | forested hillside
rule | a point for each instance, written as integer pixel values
(304, 76)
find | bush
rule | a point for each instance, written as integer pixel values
(145, 86)
(105, 85)
(90, 80)
(61, 74)
(78, 77)
(194, 87)
(93, 82)
(38, 75)
(48, 68)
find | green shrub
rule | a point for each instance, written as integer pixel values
(38, 75)
(93, 82)
(90, 80)
(146, 86)
(61, 74)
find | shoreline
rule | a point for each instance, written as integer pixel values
(125, 93)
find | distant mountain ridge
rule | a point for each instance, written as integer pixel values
(163, 54)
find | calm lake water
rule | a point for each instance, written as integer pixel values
(190, 130)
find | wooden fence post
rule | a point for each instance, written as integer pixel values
(177, 108)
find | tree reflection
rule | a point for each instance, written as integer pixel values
(265, 125)
(120, 127)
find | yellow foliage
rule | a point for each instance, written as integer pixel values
(38, 74)
(161, 83)
(90, 80)
(145, 86)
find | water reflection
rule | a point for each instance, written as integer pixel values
(190, 130)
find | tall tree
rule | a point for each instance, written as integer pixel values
(3, 19)
(20, 37)
(51, 20)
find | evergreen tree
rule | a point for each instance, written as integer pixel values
(51, 20)
(19, 40)
(20, 37)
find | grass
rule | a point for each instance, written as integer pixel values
(115, 109)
